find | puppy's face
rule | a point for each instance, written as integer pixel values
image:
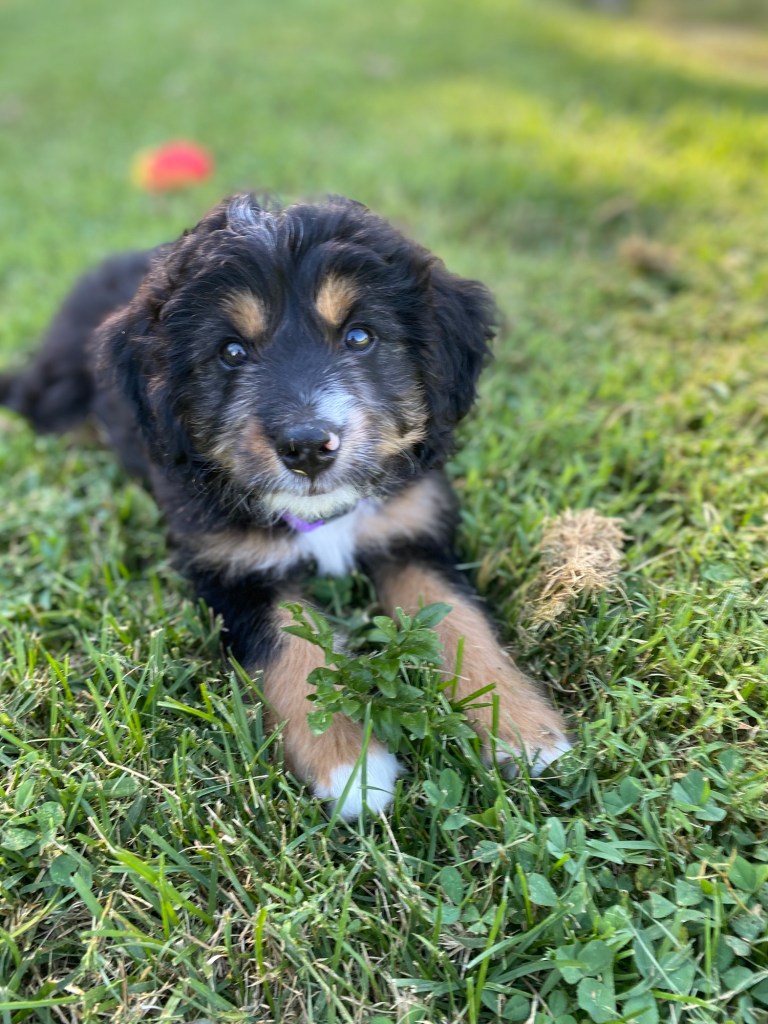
(299, 360)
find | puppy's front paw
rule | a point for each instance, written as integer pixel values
(540, 752)
(525, 727)
(518, 723)
(340, 767)
(369, 781)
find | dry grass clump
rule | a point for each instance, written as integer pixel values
(581, 552)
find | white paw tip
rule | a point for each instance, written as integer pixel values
(539, 758)
(380, 772)
(544, 756)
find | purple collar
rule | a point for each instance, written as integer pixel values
(299, 524)
(302, 526)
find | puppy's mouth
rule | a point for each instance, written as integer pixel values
(297, 509)
(330, 494)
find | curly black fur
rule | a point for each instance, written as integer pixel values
(444, 322)
(151, 367)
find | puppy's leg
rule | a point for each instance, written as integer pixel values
(254, 631)
(526, 722)
(329, 760)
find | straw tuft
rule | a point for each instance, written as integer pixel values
(581, 553)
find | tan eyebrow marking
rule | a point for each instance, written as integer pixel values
(247, 313)
(335, 298)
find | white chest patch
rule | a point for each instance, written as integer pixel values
(332, 545)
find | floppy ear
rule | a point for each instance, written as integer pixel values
(464, 322)
(132, 361)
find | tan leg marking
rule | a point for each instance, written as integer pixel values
(526, 721)
(325, 761)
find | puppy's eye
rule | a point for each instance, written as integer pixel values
(359, 339)
(232, 353)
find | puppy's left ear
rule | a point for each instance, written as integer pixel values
(465, 321)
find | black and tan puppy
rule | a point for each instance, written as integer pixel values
(288, 381)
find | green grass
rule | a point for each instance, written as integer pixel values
(155, 861)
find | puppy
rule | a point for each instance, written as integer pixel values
(287, 382)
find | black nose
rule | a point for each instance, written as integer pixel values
(308, 448)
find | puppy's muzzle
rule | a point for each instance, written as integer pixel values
(308, 448)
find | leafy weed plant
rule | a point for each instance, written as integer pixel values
(398, 688)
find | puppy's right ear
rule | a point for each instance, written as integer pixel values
(132, 362)
(119, 344)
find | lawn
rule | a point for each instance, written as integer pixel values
(606, 176)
